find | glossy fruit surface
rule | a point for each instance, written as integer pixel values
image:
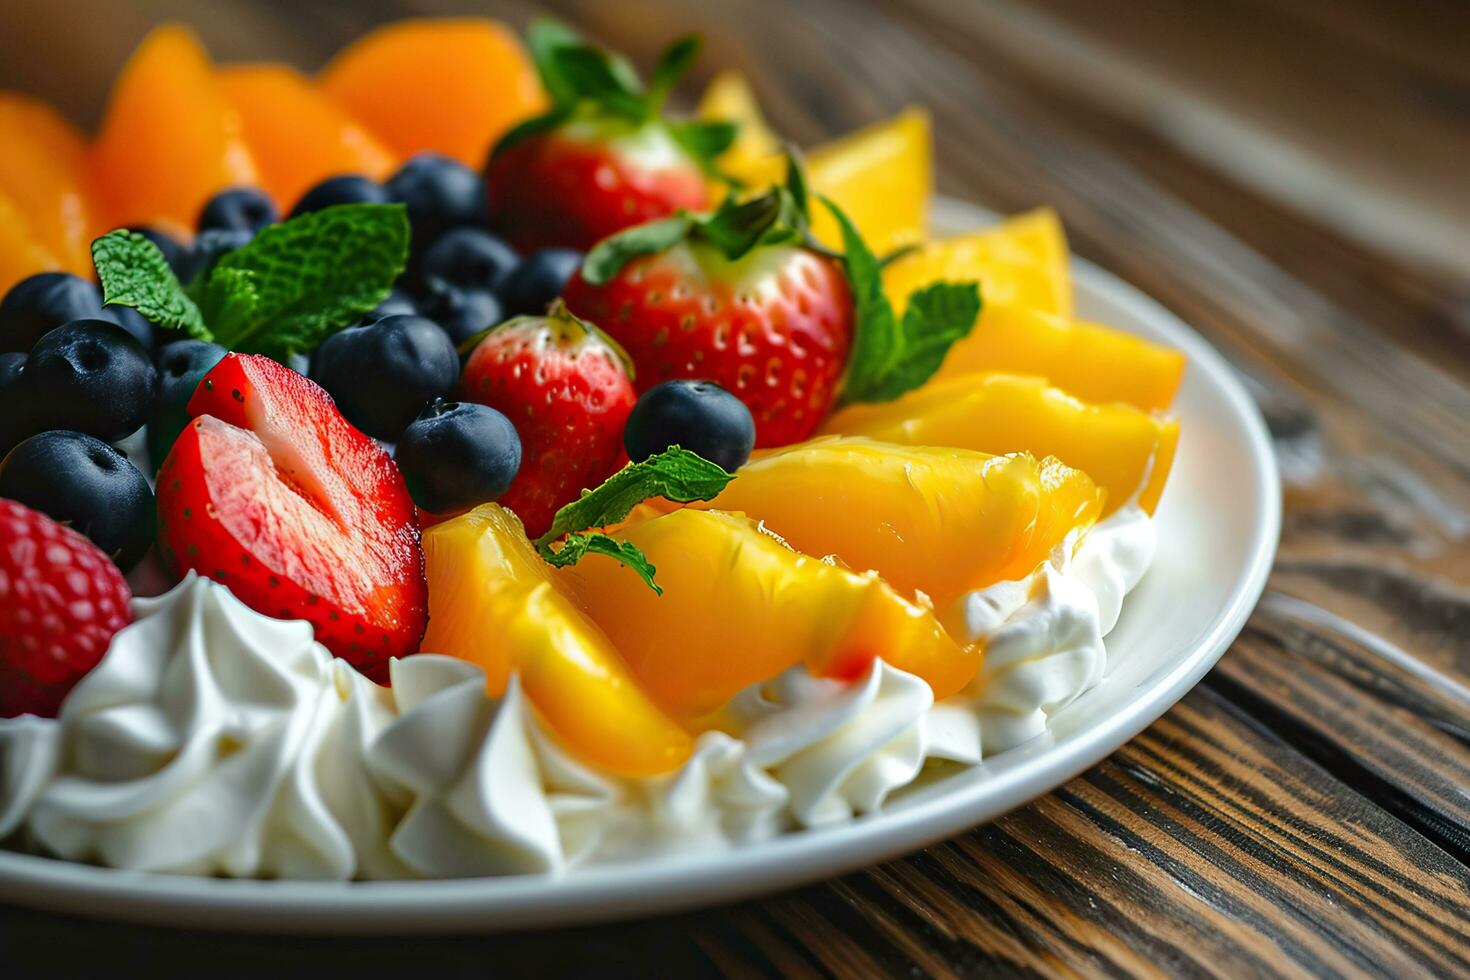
(699, 416)
(339, 189)
(86, 484)
(540, 277)
(43, 171)
(270, 491)
(469, 258)
(1127, 452)
(772, 327)
(40, 303)
(453, 86)
(238, 209)
(495, 603)
(297, 134)
(439, 193)
(564, 386)
(460, 313)
(739, 607)
(63, 601)
(382, 375)
(170, 138)
(181, 366)
(933, 520)
(456, 455)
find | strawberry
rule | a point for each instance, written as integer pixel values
(272, 492)
(604, 157)
(61, 600)
(566, 388)
(738, 298)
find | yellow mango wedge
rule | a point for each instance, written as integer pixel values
(935, 520)
(755, 157)
(1023, 261)
(740, 606)
(1095, 363)
(495, 603)
(1126, 451)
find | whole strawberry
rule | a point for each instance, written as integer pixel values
(61, 600)
(604, 157)
(566, 388)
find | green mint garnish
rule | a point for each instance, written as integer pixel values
(675, 473)
(134, 273)
(294, 284)
(892, 355)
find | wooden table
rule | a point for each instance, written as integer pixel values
(1292, 183)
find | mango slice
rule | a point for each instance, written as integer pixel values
(928, 519)
(42, 171)
(1126, 451)
(739, 606)
(494, 602)
(297, 135)
(453, 86)
(755, 156)
(170, 138)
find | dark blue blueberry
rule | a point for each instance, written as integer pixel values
(174, 253)
(41, 303)
(382, 375)
(461, 313)
(398, 303)
(239, 209)
(469, 258)
(88, 375)
(181, 365)
(211, 246)
(540, 278)
(133, 322)
(14, 410)
(438, 193)
(456, 455)
(699, 416)
(343, 189)
(82, 481)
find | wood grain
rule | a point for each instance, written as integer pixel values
(1305, 810)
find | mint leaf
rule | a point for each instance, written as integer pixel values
(299, 281)
(705, 139)
(672, 65)
(134, 273)
(611, 254)
(596, 543)
(889, 356)
(674, 473)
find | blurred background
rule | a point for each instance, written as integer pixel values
(1355, 113)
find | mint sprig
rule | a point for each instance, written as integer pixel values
(292, 286)
(893, 355)
(675, 473)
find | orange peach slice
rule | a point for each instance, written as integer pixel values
(42, 172)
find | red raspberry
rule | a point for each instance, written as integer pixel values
(61, 599)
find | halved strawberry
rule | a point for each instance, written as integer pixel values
(273, 493)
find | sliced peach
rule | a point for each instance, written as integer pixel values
(494, 602)
(882, 177)
(756, 156)
(453, 86)
(20, 254)
(297, 135)
(928, 519)
(42, 171)
(1023, 260)
(740, 606)
(170, 138)
(1126, 451)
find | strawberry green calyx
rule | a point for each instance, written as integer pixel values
(585, 80)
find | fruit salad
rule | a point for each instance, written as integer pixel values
(461, 461)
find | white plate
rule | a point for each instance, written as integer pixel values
(1218, 525)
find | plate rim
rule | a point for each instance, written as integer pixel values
(619, 891)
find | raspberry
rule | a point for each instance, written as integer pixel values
(61, 600)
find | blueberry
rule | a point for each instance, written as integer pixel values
(14, 406)
(458, 454)
(174, 253)
(181, 365)
(531, 286)
(397, 303)
(461, 313)
(469, 258)
(41, 303)
(239, 209)
(699, 416)
(84, 482)
(382, 375)
(133, 322)
(343, 189)
(87, 375)
(439, 193)
(211, 246)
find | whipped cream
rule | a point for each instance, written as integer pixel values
(214, 740)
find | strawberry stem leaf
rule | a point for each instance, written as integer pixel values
(609, 256)
(672, 65)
